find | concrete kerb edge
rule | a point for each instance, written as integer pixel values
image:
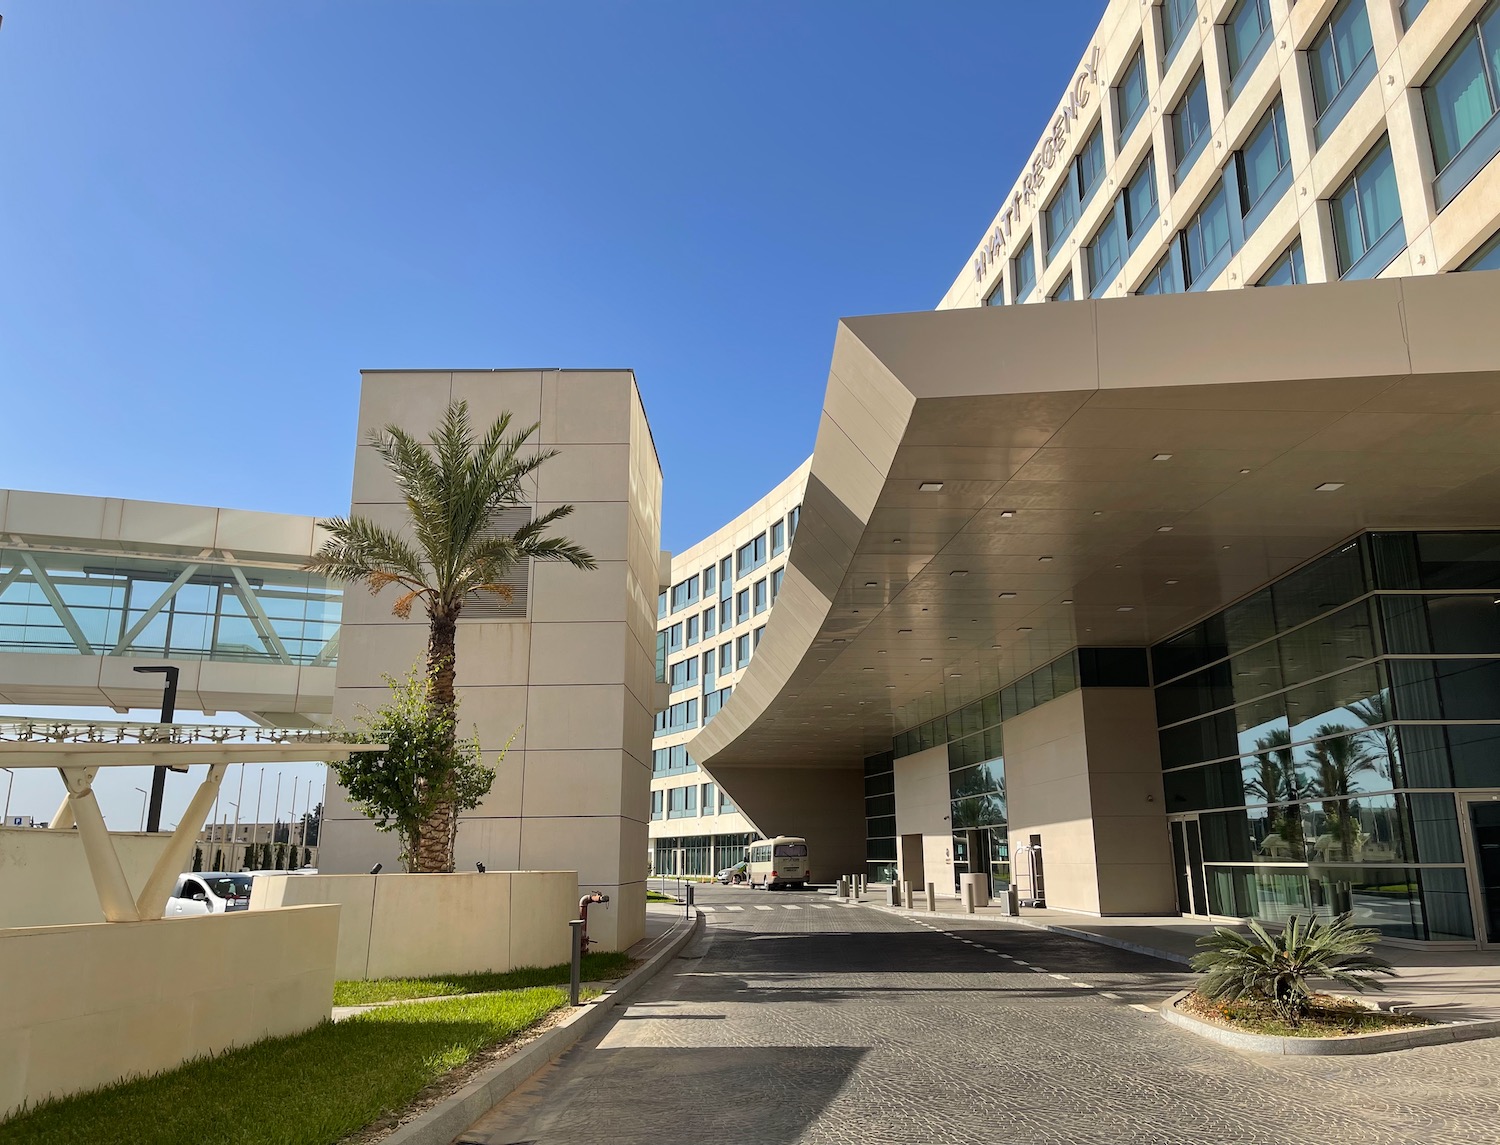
(445, 1121)
(1377, 1043)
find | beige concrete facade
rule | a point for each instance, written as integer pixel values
(406, 926)
(1390, 104)
(91, 1004)
(570, 685)
(45, 879)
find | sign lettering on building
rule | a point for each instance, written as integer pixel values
(1023, 203)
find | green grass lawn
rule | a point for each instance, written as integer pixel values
(308, 1089)
(596, 968)
(657, 896)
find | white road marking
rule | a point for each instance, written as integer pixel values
(1020, 962)
(1064, 977)
(1143, 1009)
(708, 909)
(762, 907)
(1039, 970)
(789, 906)
(1107, 994)
(820, 906)
(734, 908)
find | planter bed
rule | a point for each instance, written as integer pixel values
(1338, 1026)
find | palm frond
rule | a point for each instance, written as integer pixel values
(358, 549)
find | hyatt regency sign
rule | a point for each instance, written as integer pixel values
(1053, 147)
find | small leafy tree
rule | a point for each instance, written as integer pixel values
(280, 863)
(1275, 972)
(218, 858)
(249, 863)
(265, 855)
(197, 858)
(424, 765)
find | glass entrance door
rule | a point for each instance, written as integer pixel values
(1484, 825)
(1187, 864)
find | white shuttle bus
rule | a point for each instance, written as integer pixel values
(779, 862)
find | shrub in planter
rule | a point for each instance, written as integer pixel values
(1276, 971)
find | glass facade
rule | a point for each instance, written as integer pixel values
(880, 817)
(1367, 228)
(1190, 124)
(1340, 61)
(1321, 739)
(1130, 94)
(698, 855)
(94, 605)
(1461, 100)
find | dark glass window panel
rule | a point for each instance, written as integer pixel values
(1486, 257)
(1041, 686)
(991, 709)
(1060, 215)
(1242, 31)
(1474, 750)
(1373, 829)
(981, 779)
(1064, 293)
(980, 811)
(1328, 645)
(1351, 700)
(883, 849)
(1106, 252)
(1434, 822)
(1203, 788)
(1210, 738)
(1009, 703)
(1447, 689)
(1425, 756)
(1207, 236)
(1445, 905)
(1190, 119)
(1385, 897)
(880, 805)
(1226, 837)
(1457, 560)
(1025, 272)
(1163, 277)
(1365, 209)
(1316, 588)
(876, 764)
(1176, 18)
(1338, 50)
(1231, 890)
(884, 825)
(1249, 622)
(1195, 695)
(1025, 694)
(1112, 668)
(973, 717)
(1255, 673)
(1064, 674)
(1197, 646)
(1451, 625)
(994, 746)
(880, 784)
(1090, 164)
(1140, 198)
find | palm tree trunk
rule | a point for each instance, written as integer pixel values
(433, 852)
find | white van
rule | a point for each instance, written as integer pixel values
(208, 892)
(779, 862)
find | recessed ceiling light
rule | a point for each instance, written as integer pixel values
(953, 638)
(895, 540)
(901, 631)
(1068, 600)
(1023, 629)
(869, 669)
(1163, 528)
(872, 584)
(1329, 487)
(1171, 582)
(959, 572)
(881, 651)
(1012, 596)
(1044, 558)
(891, 686)
(927, 659)
(1162, 457)
(930, 487)
(955, 675)
(1243, 472)
(1007, 512)
(1126, 608)
(1098, 512)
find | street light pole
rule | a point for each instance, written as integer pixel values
(168, 713)
(5, 818)
(144, 796)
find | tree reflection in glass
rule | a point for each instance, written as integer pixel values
(1275, 781)
(1338, 762)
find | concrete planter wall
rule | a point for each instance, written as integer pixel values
(95, 1003)
(45, 880)
(400, 926)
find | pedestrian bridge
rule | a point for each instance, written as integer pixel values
(91, 587)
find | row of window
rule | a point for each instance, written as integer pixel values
(689, 802)
(722, 574)
(1462, 102)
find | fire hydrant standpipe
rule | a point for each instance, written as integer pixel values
(580, 935)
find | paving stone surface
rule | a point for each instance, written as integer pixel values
(850, 1025)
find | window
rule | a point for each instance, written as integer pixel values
(1336, 60)
(1064, 293)
(1024, 269)
(708, 581)
(759, 594)
(1486, 257)
(1263, 165)
(1206, 240)
(792, 520)
(1060, 215)
(750, 556)
(708, 670)
(1130, 94)
(1367, 230)
(778, 538)
(1461, 100)
(1176, 18)
(1080, 179)
(1286, 270)
(692, 630)
(726, 621)
(1190, 124)
(1246, 34)
(726, 582)
(656, 801)
(726, 805)
(742, 651)
(706, 798)
(1088, 167)
(1140, 200)
(1106, 252)
(674, 637)
(726, 659)
(996, 297)
(742, 606)
(685, 593)
(1410, 10)
(709, 616)
(776, 578)
(758, 633)
(1163, 276)
(661, 606)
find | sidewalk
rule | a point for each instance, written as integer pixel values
(1456, 984)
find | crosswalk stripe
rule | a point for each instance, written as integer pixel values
(734, 908)
(822, 907)
(1107, 994)
(708, 909)
(789, 906)
(762, 908)
(1143, 1009)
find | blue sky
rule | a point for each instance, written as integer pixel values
(212, 215)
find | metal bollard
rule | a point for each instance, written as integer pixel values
(576, 925)
(687, 901)
(931, 897)
(843, 887)
(968, 898)
(909, 902)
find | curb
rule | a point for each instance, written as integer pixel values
(447, 1120)
(1376, 1043)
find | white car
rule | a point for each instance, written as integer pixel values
(208, 892)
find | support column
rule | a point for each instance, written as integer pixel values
(115, 898)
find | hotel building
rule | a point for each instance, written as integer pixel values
(1175, 603)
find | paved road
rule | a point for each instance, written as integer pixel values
(796, 1019)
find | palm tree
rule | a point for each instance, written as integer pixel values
(1339, 760)
(1276, 782)
(1376, 715)
(452, 492)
